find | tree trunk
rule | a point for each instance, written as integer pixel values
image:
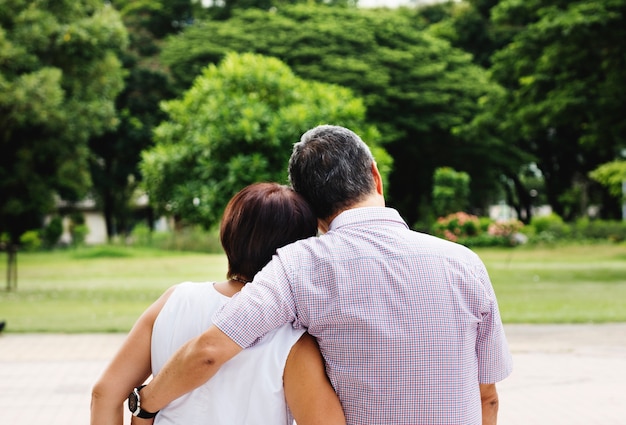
(525, 200)
(11, 267)
(107, 207)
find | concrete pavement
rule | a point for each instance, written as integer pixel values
(564, 374)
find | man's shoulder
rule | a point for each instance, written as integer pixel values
(308, 246)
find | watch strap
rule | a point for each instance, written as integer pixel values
(140, 413)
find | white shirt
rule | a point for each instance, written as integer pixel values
(248, 389)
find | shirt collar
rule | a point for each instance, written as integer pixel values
(367, 215)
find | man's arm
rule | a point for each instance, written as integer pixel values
(489, 400)
(191, 366)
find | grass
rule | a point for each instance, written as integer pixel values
(560, 284)
(104, 289)
(100, 289)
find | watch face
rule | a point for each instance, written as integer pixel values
(132, 402)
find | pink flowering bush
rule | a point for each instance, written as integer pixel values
(505, 228)
(470, 230)
(457, 226)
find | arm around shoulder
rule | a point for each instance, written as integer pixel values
(309, 393)
(192, 365)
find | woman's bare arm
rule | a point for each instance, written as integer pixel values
(130, 367)
(309, 393)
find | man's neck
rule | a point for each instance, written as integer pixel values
(375, 200)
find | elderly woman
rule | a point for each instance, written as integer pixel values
(280, 376)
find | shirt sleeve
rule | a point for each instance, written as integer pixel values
(494, 358)
(262, 305)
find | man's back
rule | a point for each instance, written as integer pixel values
(408, 324)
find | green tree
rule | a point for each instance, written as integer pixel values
(416, 87)
(224, 9)
(450, 191)
(612, 175)
(565, 74)
(524, 188)
(236, 125)
(115, 155)
(467, 25)
(59, 76)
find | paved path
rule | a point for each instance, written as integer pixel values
(564, 375)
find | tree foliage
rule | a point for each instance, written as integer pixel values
(115, 155)
(59, 75)
(157, 18)
(565, 72)
(450, 191)
(224, 9)
(236, 125)
(417, 88)
(468, 25)
(612, 175)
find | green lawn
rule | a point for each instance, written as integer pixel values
(98, 289)
(561, 284)
(105, 289)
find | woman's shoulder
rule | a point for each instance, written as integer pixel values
(195, 293)
(188, 286)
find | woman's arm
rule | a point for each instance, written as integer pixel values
(309, 393)
(130, 367)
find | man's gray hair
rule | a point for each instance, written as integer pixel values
(332, 168)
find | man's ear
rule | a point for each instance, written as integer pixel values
(377, 178)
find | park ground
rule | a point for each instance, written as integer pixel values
(563, 375)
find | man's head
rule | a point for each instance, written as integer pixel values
(332, 168)
(257, 221)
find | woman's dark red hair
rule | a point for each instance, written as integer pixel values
(257, 221)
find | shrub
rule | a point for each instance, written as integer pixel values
(457, 226)
(77, 228)
(30, 240)
(471, 231)
(485, 240)
(450, 190)
(611, 230)
(79, 232)
(141, 235)
(51, 233)
(192, 238)
(103, 251)
(550, 226)
(505, 228)
(485, 222)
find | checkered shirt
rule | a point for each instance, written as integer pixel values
(408, 323)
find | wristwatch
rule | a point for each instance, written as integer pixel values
(134, 405)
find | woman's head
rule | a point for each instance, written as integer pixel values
(257, 221)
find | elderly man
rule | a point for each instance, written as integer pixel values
(408, 324)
